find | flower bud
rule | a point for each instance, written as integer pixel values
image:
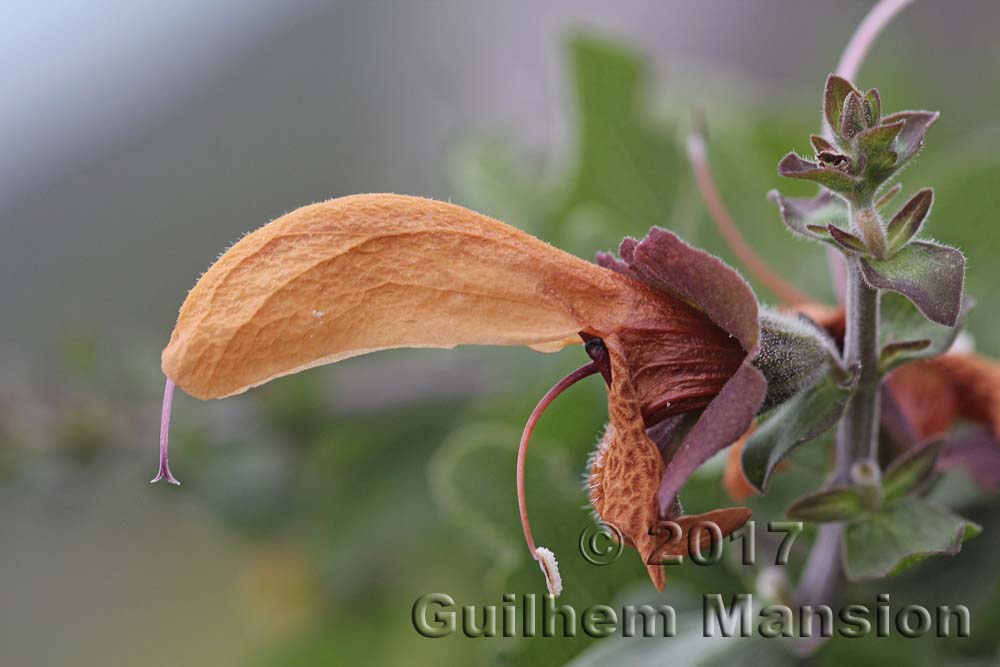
(867, 479)
(794, 354)
(869, 227)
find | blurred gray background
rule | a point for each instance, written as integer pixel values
(140, 139)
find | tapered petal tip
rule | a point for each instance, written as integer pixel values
(658, 575)
(550, 568)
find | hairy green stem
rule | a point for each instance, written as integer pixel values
(857, 434)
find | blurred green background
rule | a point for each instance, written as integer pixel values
(141, 140)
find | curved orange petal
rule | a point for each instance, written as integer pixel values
(369, 272)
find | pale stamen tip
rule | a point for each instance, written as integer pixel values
(550, 568)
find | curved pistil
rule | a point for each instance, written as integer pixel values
(546, 559)
(164, 471)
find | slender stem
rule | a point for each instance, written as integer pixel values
(871, 26)
(698, 159)
(821, 575)
(164, 470)
(880, 16)
(857, 434)
(522, 451)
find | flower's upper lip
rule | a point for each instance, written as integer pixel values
(369, 272)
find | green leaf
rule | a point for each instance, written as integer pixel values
(495, 178)
(794, 166)
(821, 231)
(888, 196)
(910, 471)
(690, 648)
(878, 139)
(894, 354)
(626, 162)
(898, 537)
(911, 137)
(847, 240)
(906, 335)
(907, 222)
(821, 145)
(840, 504)
(836, 92)
(623, 164)
(874, 101)
(879, 158)
(852, 118)
(930, 275)
(802, 418)
(802, 215)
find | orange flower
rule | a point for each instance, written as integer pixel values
(930, 397)
(934, 393)
(669, 327)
